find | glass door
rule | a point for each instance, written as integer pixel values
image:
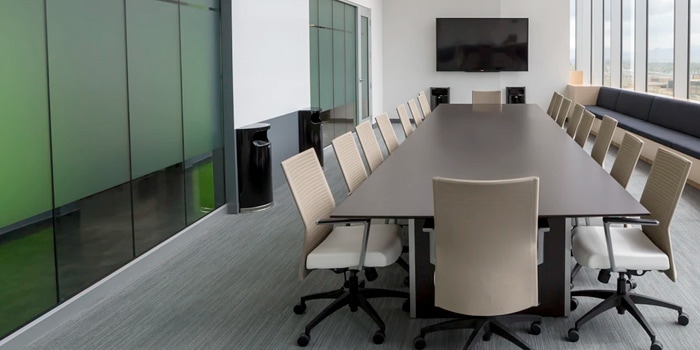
(364, 59)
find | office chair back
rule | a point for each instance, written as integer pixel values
(387, 131)
(424, 105)
(485, 243)
(602, 141)
(563, 112)
(626, 160)
(663, 189)
(486, 97)
(370, 146)
(350, 160)
(557, 103)
(575, 119)
(405, 120)
(551, 103)
(414, 110)
(313, 198)
(584, 128)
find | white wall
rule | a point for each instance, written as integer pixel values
(409, 49)
(271, 73)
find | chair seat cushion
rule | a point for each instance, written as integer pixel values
(341, 249)
(632, 248)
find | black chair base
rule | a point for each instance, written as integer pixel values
(352, 294)
(623, 301)
(485, 327)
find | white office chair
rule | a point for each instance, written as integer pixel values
(387, 131)
(556, 105)
(370, 146)
(416, 113)
(631, 251)
(563, 111)
(603, 139)
(584, 128)
(477, 225)
(551, 103)
(405, 120)
(424, 105)
(350, 160)
(575, 120)
(486, 97)
(345, 250)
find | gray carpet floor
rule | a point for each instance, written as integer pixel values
(235, 289)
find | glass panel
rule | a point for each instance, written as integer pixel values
(313, 12)
(339, 108)
(154, 86)
(27, 272)
(351, 78)
(202, 110)
(660, 46)
(24, 136)
(93, 239)
(200, 4)
(628, 44)
(365, 66)
(87, 75)
(325, 48)
(694, 51)
(325, 13)
(27, 269)
(572, 34)
(159, 207)
(606, 42)
(314, 59)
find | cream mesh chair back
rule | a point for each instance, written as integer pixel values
(370, 146)
(602, 141)
(414, 110)
(350, 160)
(473, 236)
(551, 103)
(486, 97)
(626, 160)
(424, 105)
(405, 119)
(563, 111)
(387, 131)
(575, 120)
(313, 197)
(557, 103)
(584, 128)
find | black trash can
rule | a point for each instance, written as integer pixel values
(515, 94)
(311, 132)
(439, 95)
(254, 167)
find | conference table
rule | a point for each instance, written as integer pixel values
(487, 142)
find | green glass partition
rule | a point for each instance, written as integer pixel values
(87, 74)
(27, 271)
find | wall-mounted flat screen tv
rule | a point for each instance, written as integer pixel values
(482, 44)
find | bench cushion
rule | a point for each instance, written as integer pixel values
(687, 144)
(634, 104)
(607, 97)
(677, 115)
(598, 111)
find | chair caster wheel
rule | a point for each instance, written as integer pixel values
(487, 336)
(536, 328)
(573, 335)
(371, 274)
(407, 281)
(378, 337)
(303, 340)
(419, 342)
(656, 345)
(406, 307)
(574, 304)
(683, 319)
(299, 308)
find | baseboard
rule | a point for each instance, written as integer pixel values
(94, 294)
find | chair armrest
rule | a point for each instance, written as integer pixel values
(607, 221)
(625, 220)
(366, 222)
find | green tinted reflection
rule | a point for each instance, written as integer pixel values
(27, 276)
(87, 72)
(154, 86)
(25, 176)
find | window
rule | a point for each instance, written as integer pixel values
(572, 34)
(627, 81)
(606, 42)
(694, 52)
(660, 22)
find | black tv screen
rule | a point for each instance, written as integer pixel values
(482, 44)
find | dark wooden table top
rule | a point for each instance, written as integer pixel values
(489, 142)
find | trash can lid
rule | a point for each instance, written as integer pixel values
(260, 126)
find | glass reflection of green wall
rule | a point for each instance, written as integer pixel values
(27, 272)
(201, 104)
(155, 115)
(87, 74)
